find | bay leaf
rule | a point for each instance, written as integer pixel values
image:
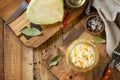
(55, 60)
(99, 39)
(31, 32)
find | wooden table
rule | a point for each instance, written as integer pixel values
(19, 62)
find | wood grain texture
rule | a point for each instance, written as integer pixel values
(21, 22)
(62, 70)
(99, 71)
(17, 58)
(51, 50)
(8, 7)
(23, 63)
(1, 50)
(41, 72)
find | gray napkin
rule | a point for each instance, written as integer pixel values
(108, 9)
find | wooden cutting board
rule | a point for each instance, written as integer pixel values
(62, 70)
(48, 30)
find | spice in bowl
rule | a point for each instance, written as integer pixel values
(94, 24)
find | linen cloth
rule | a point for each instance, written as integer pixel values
(108, 10)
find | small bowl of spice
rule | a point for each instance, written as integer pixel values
(94, 25)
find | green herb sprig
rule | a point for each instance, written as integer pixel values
(55, 60)
(99, 39)
(31, 32)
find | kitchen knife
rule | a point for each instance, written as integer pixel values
(18, 12)
(115, 56)
(109, 70)
(88, 9)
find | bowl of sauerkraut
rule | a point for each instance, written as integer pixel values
(82, 55)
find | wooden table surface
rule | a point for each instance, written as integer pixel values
(19, 62)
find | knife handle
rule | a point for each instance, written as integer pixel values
(27, 1)
(108, 73)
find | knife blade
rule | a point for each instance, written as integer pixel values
(88, 9)
(18, 12)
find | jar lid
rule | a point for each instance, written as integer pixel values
(75, 3)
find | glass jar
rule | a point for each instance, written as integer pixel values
(75, 3)
(82, 55)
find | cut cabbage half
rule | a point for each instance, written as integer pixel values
(45, 11)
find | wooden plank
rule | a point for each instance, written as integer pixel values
(76, 76)
(22, 21)
(41, 53)
(8, 7)
(40, 71)
(48, 30)
(17, 58)
(101, 68)
(51, 50)
(62, 70)
(1, 50)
